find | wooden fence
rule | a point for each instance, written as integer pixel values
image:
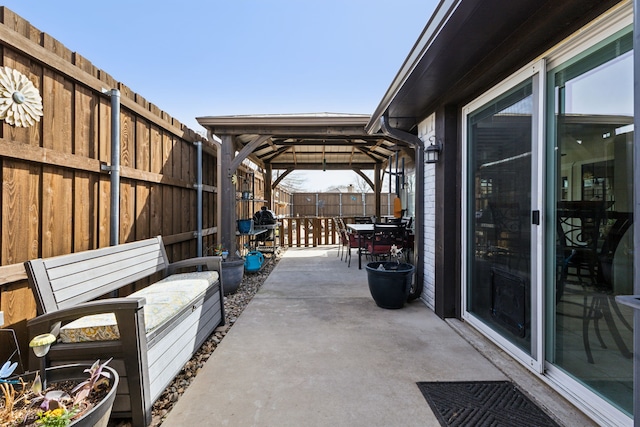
(310, 231)
(56, 195)
(56, 198)
(339, 204)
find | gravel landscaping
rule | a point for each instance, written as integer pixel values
(234, 304)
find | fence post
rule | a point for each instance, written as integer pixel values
(364, 204)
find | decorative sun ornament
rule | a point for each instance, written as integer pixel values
(20, 101)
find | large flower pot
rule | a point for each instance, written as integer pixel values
(98, 416)
(232, 273)
(389, 283)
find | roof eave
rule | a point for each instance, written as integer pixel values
(435, 24)
(469, 45)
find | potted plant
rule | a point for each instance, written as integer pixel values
(219, 250)
(232, 269)
(390, 281)
(77, 396)
(69, 395)
(232, 274)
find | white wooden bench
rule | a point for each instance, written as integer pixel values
(71, 286)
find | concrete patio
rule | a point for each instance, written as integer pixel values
(313, 349)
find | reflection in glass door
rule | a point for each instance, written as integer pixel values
(499, 204)
(591, 131)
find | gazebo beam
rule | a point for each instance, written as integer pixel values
(281, 177)
(319, 166)
(246, 150)
(365, 177)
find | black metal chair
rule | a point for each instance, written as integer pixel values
(585, 251)
(578, 226)
(383, 238)
(363, 220)
(510, 244)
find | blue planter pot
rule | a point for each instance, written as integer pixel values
(390, 287)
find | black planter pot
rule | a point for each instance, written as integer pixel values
(232, 273)
(99, 415)
(390, 287)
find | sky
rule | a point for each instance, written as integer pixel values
(235, 57)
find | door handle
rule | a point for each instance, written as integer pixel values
(535, 217)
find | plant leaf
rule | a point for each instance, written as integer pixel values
(7, 369)
(36, 387)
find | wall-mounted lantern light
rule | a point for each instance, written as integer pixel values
(432, 152)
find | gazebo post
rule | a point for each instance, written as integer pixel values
(227, 199)
(377, 184)
(268, 179)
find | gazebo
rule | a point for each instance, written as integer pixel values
(289, 142)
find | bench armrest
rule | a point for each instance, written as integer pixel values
(42, 324)
(213, 263)
(131, 347)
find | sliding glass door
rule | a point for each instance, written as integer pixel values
(590, 336)
(548, 216)
(500, 280)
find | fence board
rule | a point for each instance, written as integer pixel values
(155, 210)
(85, 134)
(12, 273)
(20, 211)
(167, 220)
(143, 149)
(176, 158)
(167, 147)
(156, 150)
(57, 99)
(127, 211)
(187, 162)
(104, 130)
(18, 305)
(54, 46)
(142, 218)
(104, 211)
(127, 136)
(85, 216)
(57, 211)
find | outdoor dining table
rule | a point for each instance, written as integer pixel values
(361, 230)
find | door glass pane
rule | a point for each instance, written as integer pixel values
(593, 195)
(499, 287)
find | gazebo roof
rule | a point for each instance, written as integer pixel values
(317, 141)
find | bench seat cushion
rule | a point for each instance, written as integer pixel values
(163, 300)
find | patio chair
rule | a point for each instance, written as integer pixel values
(351, 242)
(339, 223)
(581, 255)
(363, 220)
(384, 237)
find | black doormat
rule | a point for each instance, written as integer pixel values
(483, 403)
